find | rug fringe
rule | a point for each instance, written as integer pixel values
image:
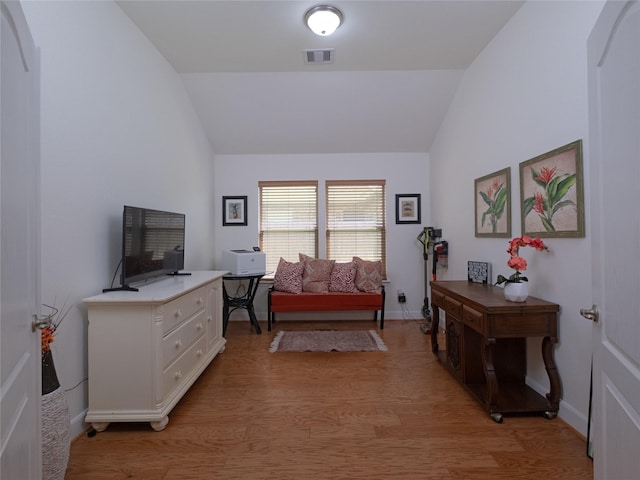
(276, 342)
(379, 341)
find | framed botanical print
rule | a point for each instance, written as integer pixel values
(551, 193)
(493, 204)
(234, 211)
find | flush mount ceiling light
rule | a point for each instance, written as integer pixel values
(323, 19)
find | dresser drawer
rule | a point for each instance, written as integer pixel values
(179, 340)
(473, 319)
(176, 311)
(180, 370)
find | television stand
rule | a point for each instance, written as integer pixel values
(123, 288)
(179, 273)
(145, 351)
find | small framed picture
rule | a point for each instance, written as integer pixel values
(479, 272)
(493, 204)
(408, 208)
(551, 193)
(234, 211)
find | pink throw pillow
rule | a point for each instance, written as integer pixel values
(368, 275)
(288, 277)
(343, 277)
(317, 274)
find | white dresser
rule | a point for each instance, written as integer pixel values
(147, 348)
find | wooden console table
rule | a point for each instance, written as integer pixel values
(486, 345)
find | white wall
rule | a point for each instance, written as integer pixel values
(526, 94)
(236, 175)
(117, 128)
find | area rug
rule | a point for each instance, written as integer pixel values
(328, 341)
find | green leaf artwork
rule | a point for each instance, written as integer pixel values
(548, 203)
(495, 197)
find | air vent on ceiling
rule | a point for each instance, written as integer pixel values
(314, 57)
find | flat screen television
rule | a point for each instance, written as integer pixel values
(152, 244)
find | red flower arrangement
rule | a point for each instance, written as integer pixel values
(518, 263)
(47, 335)
(55, 319)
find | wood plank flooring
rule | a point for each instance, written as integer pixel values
(364, 415)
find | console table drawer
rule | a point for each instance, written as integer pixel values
(541, 325)
(437, 299)
(176, 311)
(178, 341)
(452, 307)
(473, 319)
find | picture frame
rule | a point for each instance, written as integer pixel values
(408, 208)
(552, 193)
(234, 211)
(478, 272)
(492, 204)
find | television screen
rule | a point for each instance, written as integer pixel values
(152, 243)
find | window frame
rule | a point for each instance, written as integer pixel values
(271, 261)
(379, 222)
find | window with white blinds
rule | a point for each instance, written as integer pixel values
(288, 220)
(356, 220)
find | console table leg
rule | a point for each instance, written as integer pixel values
(435, 321)
(253, 319)
(553, 397)
(490, 374)
(496, 417)
(225, 311)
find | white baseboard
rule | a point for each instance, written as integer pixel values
(78, 425)
(567, 412)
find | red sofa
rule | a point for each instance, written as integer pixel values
(325, 302)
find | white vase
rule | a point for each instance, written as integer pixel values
(56, 435)
(516, 292)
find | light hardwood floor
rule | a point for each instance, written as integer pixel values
(374, 415)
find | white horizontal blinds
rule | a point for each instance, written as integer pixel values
(356, 220)
(288, 220)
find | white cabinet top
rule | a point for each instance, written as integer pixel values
(161, 290)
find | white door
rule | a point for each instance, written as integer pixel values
(614, 103)
(20, 358)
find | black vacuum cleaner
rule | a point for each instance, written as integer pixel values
(429, 239)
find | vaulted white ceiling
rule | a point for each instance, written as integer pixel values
(396, 67)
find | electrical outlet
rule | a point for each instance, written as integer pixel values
(401, 297)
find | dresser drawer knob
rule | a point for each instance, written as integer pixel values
(178, 375)
(199, 301)
(178, 313)
(178, 344)
(199, 326)
(199, 353)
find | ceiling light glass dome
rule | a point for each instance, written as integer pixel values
(323, 20)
